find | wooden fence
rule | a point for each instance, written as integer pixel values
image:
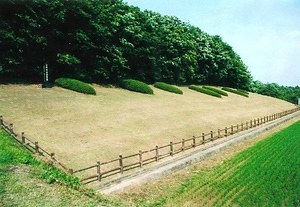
(138, 160)
(122, 163)
(29, 144)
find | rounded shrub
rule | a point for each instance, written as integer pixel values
(168, 87)
(243, 91)
(137, 86)
(205, 91)
(223, 93)
(235, 91)
(75, 85)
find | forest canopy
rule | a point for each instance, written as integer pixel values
(106, 41)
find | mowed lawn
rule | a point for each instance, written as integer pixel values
(82, 129)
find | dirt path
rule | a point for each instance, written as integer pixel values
(228, 147)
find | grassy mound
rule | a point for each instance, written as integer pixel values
(235, 91)
(215, 90)
(137, 86)
(205, 91)
(168, 87)
(75, 85)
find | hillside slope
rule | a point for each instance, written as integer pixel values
(82, 129)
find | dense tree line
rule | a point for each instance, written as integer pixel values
(107, 40)
(287, 93)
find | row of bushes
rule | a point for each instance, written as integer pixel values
(205, 91)
(138, 86)
(239, 92)
(223, 93)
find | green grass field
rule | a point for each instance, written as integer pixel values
(266, 174)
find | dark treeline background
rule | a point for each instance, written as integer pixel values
(108, 40)
(105, 41)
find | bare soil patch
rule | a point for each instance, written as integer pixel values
(82, 129)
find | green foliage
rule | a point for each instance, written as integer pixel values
(168, 87)
(267, 174)
(205, 91)
(216, 90)
(11, 154)
(287, 93)
(107, 41)
(75, 85)
(243, 91)
(235, 91)
(137, 86)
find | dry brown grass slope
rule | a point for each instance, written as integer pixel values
(82, 129)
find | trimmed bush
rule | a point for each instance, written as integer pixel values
(203, 90)
(168, 87)
(75, 85)
(216, 90)
(137, 86)
(243, 91)
(235, 91)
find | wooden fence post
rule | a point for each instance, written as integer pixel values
(219, 133)
(156, 153)
(171, 148)
(1, 121)
(237, 128)
(231, 129)
(121, 163)
(242, 126)
(254, 123)
(36, 147)
(99, 171)
(23, 138)
(182, 145)
(203, 138)
(141, 158)
(11, 128)
(225, 131)
(194, 141)
(211, 135)
(71, 171)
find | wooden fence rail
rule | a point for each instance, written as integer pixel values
(138, 160)
(29, 144)
(142, 158)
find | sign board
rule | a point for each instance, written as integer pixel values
(298, 101)
(46, 83)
